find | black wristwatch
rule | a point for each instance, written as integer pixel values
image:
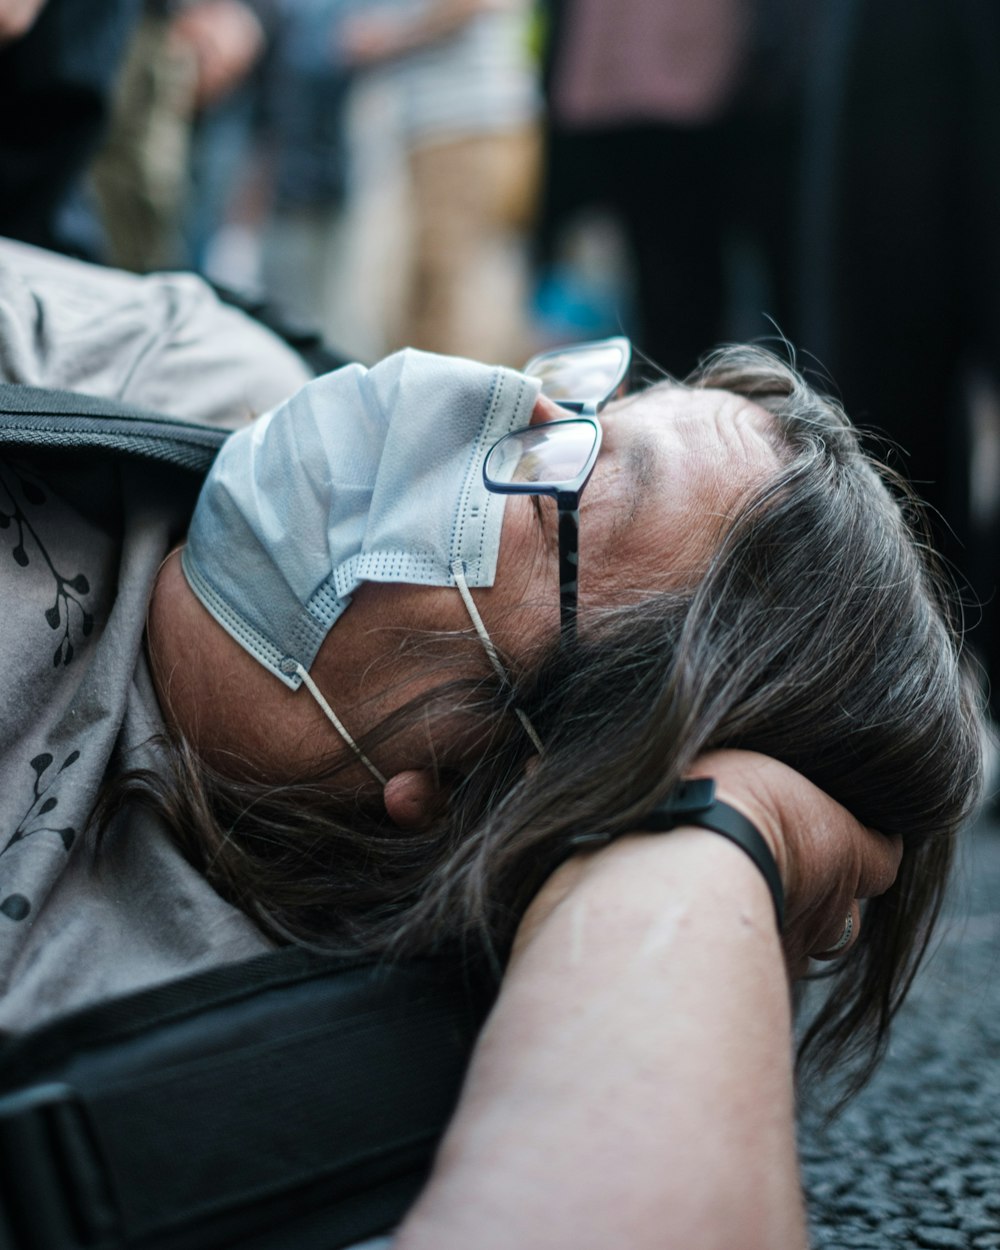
(693, 802)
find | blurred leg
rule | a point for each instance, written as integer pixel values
(464, 296)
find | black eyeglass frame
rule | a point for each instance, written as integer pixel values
(567, 492)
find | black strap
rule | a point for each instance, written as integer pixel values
(693, 802)
(292, 1100)
(33, 417)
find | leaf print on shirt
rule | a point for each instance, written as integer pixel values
(16, 906)
(70, 591)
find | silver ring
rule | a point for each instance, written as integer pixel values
(845, 937)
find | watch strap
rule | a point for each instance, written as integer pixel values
(693, 802)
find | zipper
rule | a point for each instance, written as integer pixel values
(30, 417)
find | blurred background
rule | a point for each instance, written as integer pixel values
(491, 177)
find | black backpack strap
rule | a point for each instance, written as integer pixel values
(292, 1100)
(33, 417)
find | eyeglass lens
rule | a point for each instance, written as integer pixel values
(576, 374)
(543, 455)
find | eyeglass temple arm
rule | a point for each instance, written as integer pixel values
(569, 546)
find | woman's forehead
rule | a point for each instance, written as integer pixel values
(686, 420)
(675, 466)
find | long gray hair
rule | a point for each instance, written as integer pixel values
(819, 635)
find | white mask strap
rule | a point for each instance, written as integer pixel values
(338, 724)
(458, 572)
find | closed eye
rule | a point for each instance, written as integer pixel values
(546, 521)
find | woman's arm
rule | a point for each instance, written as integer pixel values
(633, 1086)
(369, 38)
(17, 17)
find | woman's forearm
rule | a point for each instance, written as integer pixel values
(633, 1086)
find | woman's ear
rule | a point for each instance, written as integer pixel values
(413, 798)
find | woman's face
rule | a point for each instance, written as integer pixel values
(673, 466)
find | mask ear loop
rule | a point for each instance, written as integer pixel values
(458, 572)
(338, 724)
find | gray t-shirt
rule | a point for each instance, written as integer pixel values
(81, 539)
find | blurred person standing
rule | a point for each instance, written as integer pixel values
(898, 262)
(307, 89)
(654, 106)
(468, 111)
(58, 63)
(187, 59)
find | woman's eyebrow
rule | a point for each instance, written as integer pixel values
(644, 458)
(547, 522)
(644, 471)
(645, 464)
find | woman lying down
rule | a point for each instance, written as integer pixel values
(647, 699)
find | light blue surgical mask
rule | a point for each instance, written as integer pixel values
(363, 475)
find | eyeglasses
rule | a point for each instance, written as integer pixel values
(556, 458)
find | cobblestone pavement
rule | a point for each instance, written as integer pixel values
(914, 1161)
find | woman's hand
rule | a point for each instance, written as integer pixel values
(226, 39)
(17, 17)
(827, 860)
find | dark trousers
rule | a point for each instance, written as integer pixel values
(899, 246)
(54, 88)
